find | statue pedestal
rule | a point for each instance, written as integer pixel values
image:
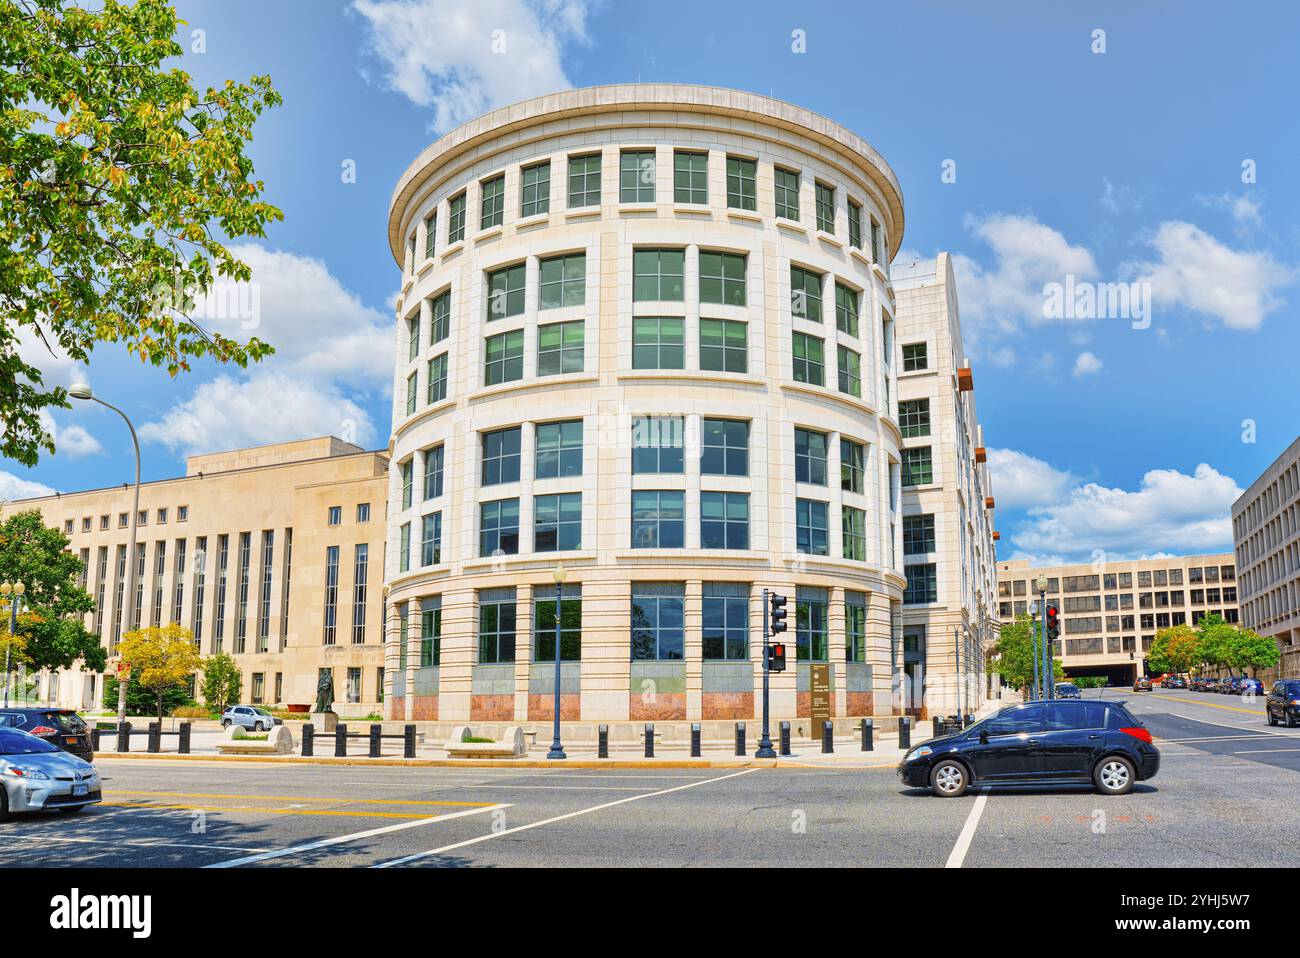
(323, 723)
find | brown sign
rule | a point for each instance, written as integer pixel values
(819, 684)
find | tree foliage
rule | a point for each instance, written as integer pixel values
(53, 630)
(119, 183)
(222, 681)
(142, 701)
(1174, 649)
(161, 657)
(1015, 654)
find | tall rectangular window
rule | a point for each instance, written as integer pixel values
(288, 580)
(241, 608)
(360, 575)
(413, 337)
(492, 202)
(805, 294)
(557, 522)
(434, 461)
(724, 345)
(786, 184)
(535, 190)
(877, 249)
(724, 520)
(331, 593)
(456, 218)
(658, 444)
(658, 342)
(855, 627)
(855, 225)
(570, 603)
(811, 625)
(558, 450)
(825, 199)
(178, 584)
(917, 467)
(742, 179)
(809, 359)
(560, 348)
(404, 547)
(658, 519)
(411, 393)
(440, 311)
(506, 292)
(725, 621)
(159, 570)
(430, 235)
(431, 632)
(501, 455)
(849, 366)
(658, 275)
(853, 526)
(918, 534)
(722, 278)
(496, 626)
(219, 613)
(914, 417)
(437, 390)
(584, 180)
(811, 527)
(200, 587)
(922, 584)
(504, 358)
(636, 176)
(846, 309)
(406, 471)
(563, 281)
(499, 527)
(810, 457)
(264, 596)
(431, 539)
(853, 457)
(690, 177)
(724, 447)
(658, 621)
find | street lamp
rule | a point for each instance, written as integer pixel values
(557, 750)
(82, 391)
(1049, 674)
(13, 591)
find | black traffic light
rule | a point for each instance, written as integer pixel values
(778, 614)
(1053, 624)
(776, 653)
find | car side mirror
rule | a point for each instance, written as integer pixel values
(984, 736)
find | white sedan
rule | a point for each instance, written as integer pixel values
(37, 776)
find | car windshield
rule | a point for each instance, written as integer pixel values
(68, 721)
(14, 742)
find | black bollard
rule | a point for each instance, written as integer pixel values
(340, 741)
(183, 740)
(905, 731)
(785, 738)
(124, 737)
(376, 743)
(602, 741)
(408, 741)
(94, 739)
(155, 737)
(649, 740)
(868, 735)
(828, 737)
(695, 740)
(740, 738)
(308, 740)
(939, 730)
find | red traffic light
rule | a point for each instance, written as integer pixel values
(777, 654)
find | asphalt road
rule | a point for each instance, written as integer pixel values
(1225, 796)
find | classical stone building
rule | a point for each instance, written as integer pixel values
(1266, 539)
(1110, 611)
(646, 332)
(272, 554)
(949, 611)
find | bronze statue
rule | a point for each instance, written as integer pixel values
(325, 692)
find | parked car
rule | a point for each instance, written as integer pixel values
(1283, 703)
(1175, 682)
(1228, 685)
(250, 716)
(1142, 683)
(1037, 743)
(1249, 686)
(1067, 690)
(61, 727)
(36, 775)
(1209, 684)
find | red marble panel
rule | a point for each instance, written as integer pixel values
(493, 708)
(542, 707)
(728, 705)
(657, 706)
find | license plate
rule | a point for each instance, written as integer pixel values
(79, 790)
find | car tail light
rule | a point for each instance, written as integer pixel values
(44, 730)
(1139, 733)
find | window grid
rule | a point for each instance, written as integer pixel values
(809, 360)
(786, 184)
(724, 345)
(805, 294)
(690, 177)
(722, 278)
(584, 180)
(658, 342)
(535, 192)
(636, 176)
(742, 178)
(825, 202)
(492, 202)
(563, 281)
(560, 348)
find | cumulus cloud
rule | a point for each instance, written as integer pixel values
(15, 487)
(70, 441)
(1086, 364)
(1022, 481)
(1170, 511)
(465, 57)
(1242, 208)
(1195, 271)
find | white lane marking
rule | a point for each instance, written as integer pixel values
(960, 849)
(1239, 728)
(339, 839)
(557, 818)
(568, 788)
(1265, 751)
(136, 843)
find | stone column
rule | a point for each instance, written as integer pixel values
(523, 648)
(459, 652)
(694, 650)
(412, 654)
(878, 653)
(839, 672)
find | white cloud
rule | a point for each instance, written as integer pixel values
(465, 57)
(1196, 271)
(1171, 511)
(226, 413)
(1021, 481)
(13, 487)
(1243, 209)
(1115, 200)
(1086, 364)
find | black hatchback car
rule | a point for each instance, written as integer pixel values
(1283, 703)
(1038, 743)
(61, 727)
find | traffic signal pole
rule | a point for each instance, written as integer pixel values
(765, 749)
(1049, 673)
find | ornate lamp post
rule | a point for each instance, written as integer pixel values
(557, 749)
(13, 591)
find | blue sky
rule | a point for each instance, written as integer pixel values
(1122, 165)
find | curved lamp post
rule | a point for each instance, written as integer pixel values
(557, 749)
(1049, 674)
(13, 591)
(82, 391)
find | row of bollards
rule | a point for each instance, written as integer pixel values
(867, 729)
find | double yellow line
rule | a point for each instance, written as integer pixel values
(186, 806)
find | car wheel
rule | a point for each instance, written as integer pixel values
(1113, 775)
(257, 727)
(225, 723)
(1271, 720)
(949, 780)
(4, 804)
(1290, 720)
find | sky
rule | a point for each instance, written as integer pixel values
(1048, 147)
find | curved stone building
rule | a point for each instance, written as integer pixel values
(645, 332)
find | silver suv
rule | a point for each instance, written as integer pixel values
(250, 716)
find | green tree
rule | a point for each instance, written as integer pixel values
(161, 657)
(53, 630)
(119, 182)
(142, 701)
(222, 682)
(1015, 654)
(1250, 650)
(1216, 641)
(1175, 649)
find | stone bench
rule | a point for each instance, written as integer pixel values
(511, 744)
(235, 741)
